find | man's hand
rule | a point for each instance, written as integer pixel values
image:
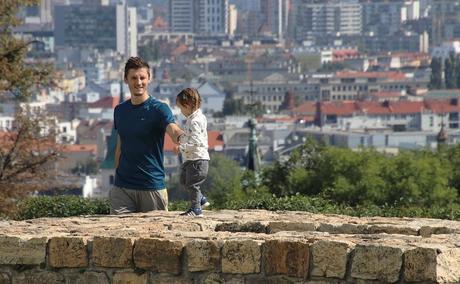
(174, 132)
(176, 149)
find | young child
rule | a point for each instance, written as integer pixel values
(193, 145)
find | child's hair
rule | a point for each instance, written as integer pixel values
(189, 97)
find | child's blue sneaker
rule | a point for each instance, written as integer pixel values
(193, 212)
(204, 202)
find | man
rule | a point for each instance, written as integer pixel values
(141, 122)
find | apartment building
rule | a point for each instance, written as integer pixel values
(325, 18)
(209, 17)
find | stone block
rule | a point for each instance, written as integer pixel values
(130, 278)
(166, 279)
(5, 278)
(203, 255)
(274, 227)
(157, 255)
(67, 252)
(440, 265)
(427, 231)
(38, 277)
(329, 258)
(112, 252)
(88, 277)
(241, 257)
(284, 257)
(377, 262)
(23, 251)
(279, 279)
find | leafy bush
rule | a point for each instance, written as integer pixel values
(60, 206)
(323, 206)
(368, 177)
(71, 205)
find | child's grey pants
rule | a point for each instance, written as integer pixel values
(192, 175)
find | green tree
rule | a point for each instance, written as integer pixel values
(150, 51)
(17, 77)
(28, 150)
(332, 67)
(224, 180)
(436, 74)
(232, 106)
(457, 71)
(449, 72)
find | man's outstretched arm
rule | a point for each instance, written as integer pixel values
(117, 152)
(174, 132)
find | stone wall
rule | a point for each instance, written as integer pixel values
(229, 247)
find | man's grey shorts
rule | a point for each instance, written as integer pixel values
(124, 200)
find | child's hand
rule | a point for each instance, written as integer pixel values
(176, 149)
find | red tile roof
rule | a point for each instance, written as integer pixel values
(305, 108)
(179, 50)
(75, 148)
(340, 55)
(348, 108)
(106, 102)
(443, 106)
(215, 139)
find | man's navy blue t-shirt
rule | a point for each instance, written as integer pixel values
(141, 129)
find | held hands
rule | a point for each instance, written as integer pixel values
(176, 149)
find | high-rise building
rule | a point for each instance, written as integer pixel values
(276, 16)
(232, 19)
(385, 17)
(45, 12)
(96, 26)
(445, 17)
(182, 16)
(199, 16)
(329, 17)
(126, 30)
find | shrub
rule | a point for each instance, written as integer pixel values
(60, 206)
(71, 205)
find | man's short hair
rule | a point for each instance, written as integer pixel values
(136, 63)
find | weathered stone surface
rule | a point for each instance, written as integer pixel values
(260, 279)
(241, 257)
(377, 262)
(331, 281)
(289, 258)
(88, 277)
(203, 255)
(112, 252)
(249, 225)
(157, 255)
(254, 227)
(17, 250)
(329, 258)
(441, 265)
(166, 279)
(4, 278)
(38, 277)
(427, 231)
(67, 252)
(392, 229)
(130, 278)
(274, 227)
